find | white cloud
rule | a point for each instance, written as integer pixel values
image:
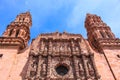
(109, 11)
(79, 11)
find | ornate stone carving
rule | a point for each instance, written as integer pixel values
(100, 35)
(18, 28)
(66, 54)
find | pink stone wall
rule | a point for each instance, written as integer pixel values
(101, 64)
(12, 64)
(102, 67)
(114, 61)
(19, 67)
(6, 62)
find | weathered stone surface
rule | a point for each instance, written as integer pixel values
(59, 56)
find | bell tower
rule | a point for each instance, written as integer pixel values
(18, 31)
(103, 41)
(13, 46)
(99, 34)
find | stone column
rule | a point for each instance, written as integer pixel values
(85, 66)
(73, 49)
(39, 68)
(50, 48)
(48, 67)
(76, 67)
(42, 46)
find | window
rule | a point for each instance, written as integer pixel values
(62, 70)
(11, 32)
(17, 33)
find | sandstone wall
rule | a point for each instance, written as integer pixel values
(114, 61)
(102, 65)
(12, 64)
(6, 62)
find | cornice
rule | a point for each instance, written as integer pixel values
(12, 41)
(109, 43)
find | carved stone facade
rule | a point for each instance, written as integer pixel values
(54, 50)
(59, 56)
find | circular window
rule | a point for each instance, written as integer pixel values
(62, 70)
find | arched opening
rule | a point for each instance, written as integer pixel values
(10, 32)
(17, 33)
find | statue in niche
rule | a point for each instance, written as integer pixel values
(76, 48)
(90, 68)
(54, 49)
(45, 49)
(43, 70)
(34, 64)
(34, 67)
(32, 74)
(61, 48)
(68, 48)
(81, 69)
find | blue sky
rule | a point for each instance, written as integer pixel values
(60, 15)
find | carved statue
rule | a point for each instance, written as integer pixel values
(76, 48)
(54, 49)
(90, 68)
(81, 69)
(45, 49)
(43, 71)
(61, 48)
(68, 48)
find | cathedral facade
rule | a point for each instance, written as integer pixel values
(59, 56)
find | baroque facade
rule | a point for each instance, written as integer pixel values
(59, 56)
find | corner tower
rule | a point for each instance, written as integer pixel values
(104, 41)
(99, 34)
(13, 41)
(18, 31)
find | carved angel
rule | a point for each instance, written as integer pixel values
(45, 49)
(76, 48)
(81, 69)
(61, 48)
(69, 50)
(54, 49)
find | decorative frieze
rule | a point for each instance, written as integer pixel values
(12, 41)
(61, 59)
